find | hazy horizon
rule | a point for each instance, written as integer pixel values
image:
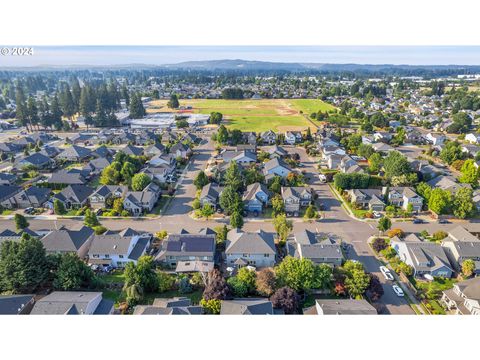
(163, 55)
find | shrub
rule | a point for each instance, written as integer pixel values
(165, 281)
(184, 286)
(388, 253)
(211, 306)
(379, 244)
(395, 232)
(99, 230)
(439, 235)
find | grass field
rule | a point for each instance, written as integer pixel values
(254, 115)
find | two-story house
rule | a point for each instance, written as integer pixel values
(250, 248)
(210, 195)
(402, 197)
(464, 297)
(138, 202)
(296, 197)
(256, 197)
(98, 199)
(320, 249)
(461, 245)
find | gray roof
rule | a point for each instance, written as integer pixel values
(37, 159)
(461, 234)
(64, 240)
(345, 307)
(295, 191)
(113, 244)
(132, 150)
(260, 242)
(74, 193)
(13, 304)
(247, 306)
(169, 306)
(187, 245)
(64, 303)
(253, 189)
(211, 191)
(71, 177)
(75, 151)
(275, 162)
(470, 288)
(7, 191)
(426, 256)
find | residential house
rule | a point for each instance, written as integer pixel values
(98, 199)
(448, 183)
(33, 196)
(402, 197)
(276, 167)
(7, 179)
(464, 297)
(244, 157)
(68, 241)
(138, 202)
(473, 138)
(169, 306)
(256, 197)
(132, 150)
(382, 147)
(367, 198)
(250, 248)
(16, 304)
(435, 139)
(470, 149)
(50, 151)
(74, 153)
(461, 245)
(293, 137)
(340, 307)
(210, 195)
(425, 257)
(187, 247)
(96, 166)
(249, 137)
(37, 161)
(276, 151)
(316, 247)
(247, 306)
(382, 136)
(162, 173)
(155, 149)
(118, 249)
(268, 137)
(334, 160)
(164, 159)
(103, 152)
(180, 150)
(69, 177)
(73, 303)
(73, 196)
(7, 196)
(296, 197)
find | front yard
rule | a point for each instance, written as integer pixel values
(430, 292)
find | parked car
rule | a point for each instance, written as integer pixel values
(29, 210)
(417, 221)
(398, 290)
(377, 215)
(322, 178)
(386, 273)
(443, 221)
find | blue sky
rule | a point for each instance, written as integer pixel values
(158, 55)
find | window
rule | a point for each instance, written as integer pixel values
(266, 255)
(106, 256)
(120, 256)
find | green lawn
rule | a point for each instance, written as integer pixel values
(114, 277)
(309, 106)
(264, 123)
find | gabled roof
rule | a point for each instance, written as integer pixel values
(7, 191)
(112, 244)
(75, 151)
(260, 242)
(13, 304)
(65, 240)
(132, 150)
(211, 191)
(247, 306)
(252, 191)
(74, 193)
(72, 176)
(295, 191)
(187, 245)
(37, 159)
(275, 162)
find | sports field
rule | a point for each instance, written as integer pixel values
(254, 115)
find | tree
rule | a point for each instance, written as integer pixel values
(140, 181)
(236, 220)
(395, 164)
(221, 232)
(276, 185)
(200, 180)
(216, 287)
(207, 211)
(266, 282)
(134, 293)
(286, 299)
(375, 289)
(451, 151)
(248, 277)
(282, 226)
(109, 176)
(72, 273)
(165, 281)
(90, 219)
(58, 207)
(212, 306)
(215, 118)
(20, 221)
(278, 206)
(233, 176)
(303, 274)
(384, 224)
(173, 102)
(23, 265)
(230, 201)
(463, 205)
(222, 134)
(468, 267)
(137, 111)
(311, 212)
(356, 280)
(469, 172)
(238, 287)
(142, 274)
(439, 201)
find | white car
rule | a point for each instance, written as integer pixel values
(398, 290)
(386, 273)
(377, 215)
(322, 178)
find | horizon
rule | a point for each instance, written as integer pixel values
(104, 56)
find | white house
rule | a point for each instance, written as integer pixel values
(473, 138)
